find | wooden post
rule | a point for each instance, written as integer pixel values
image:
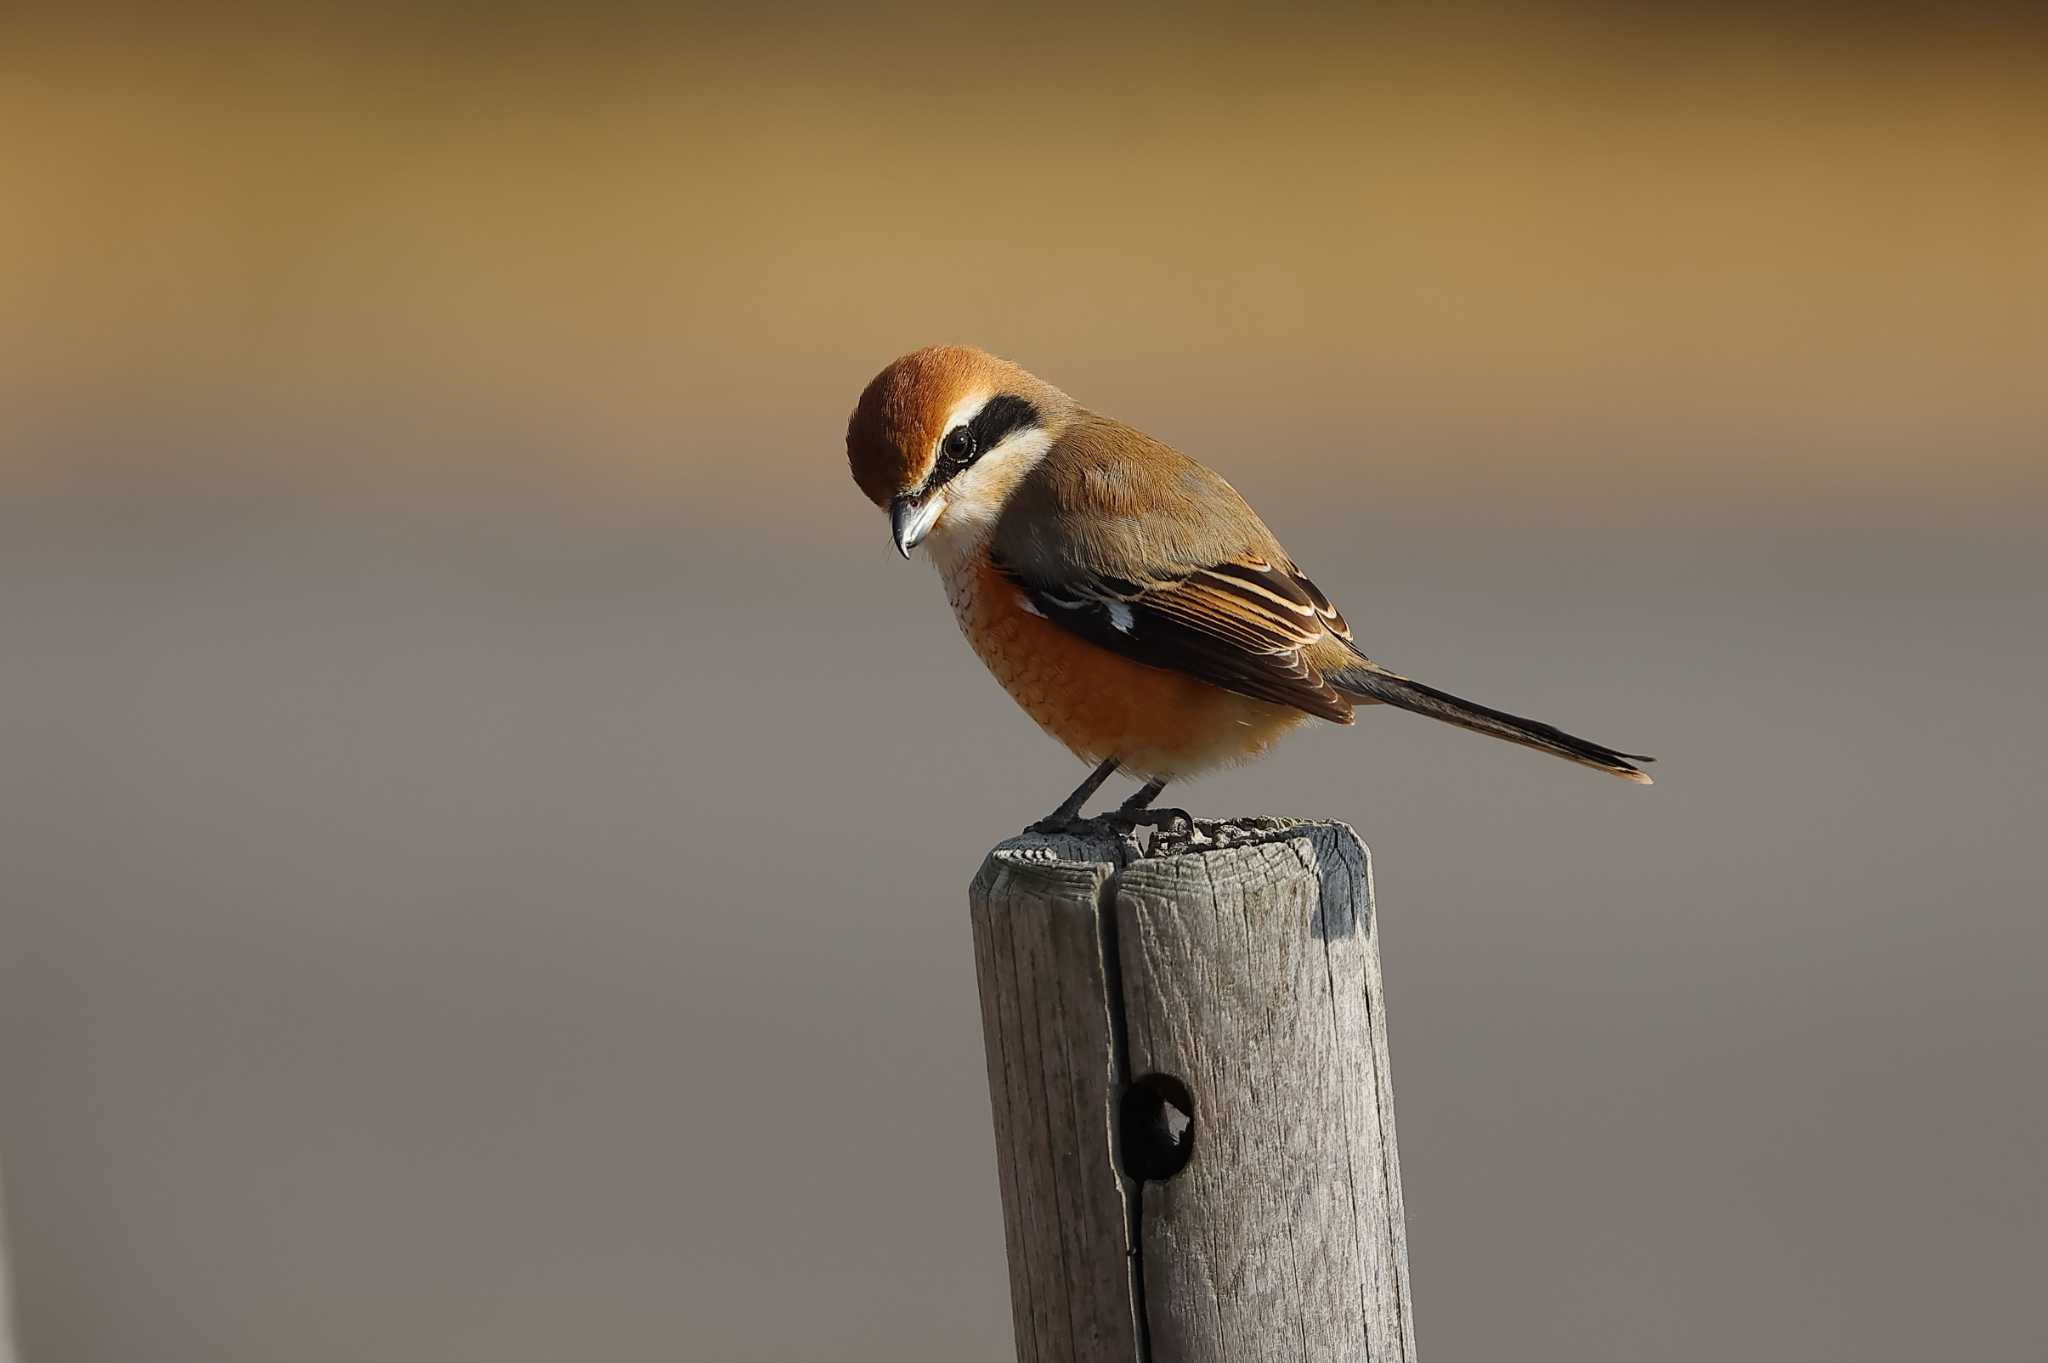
(1187, 1059)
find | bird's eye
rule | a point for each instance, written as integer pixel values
(959, 443)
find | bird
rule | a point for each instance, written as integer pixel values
(1125, 595)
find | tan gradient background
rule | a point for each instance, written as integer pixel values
(486, 816)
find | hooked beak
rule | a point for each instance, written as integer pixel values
(912, 518)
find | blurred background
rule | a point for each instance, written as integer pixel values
(487, 816)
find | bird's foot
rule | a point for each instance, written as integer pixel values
(1067, 818)
(1109, 821)
(1056, 823)
(1165, 819)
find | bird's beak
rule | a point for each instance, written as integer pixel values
(912, 518)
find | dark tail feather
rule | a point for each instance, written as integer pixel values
(1373, 685)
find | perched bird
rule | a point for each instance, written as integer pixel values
(1122, 593)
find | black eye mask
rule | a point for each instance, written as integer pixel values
(999, 417)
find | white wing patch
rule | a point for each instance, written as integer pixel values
(1120, 617)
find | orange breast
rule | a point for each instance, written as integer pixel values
(1155, 722)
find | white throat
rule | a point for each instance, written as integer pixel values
(976, 497)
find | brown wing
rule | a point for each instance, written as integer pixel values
(1137, 548)
(1245, 625)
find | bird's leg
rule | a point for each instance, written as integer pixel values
(1138, 809)
(1070, 808)
(1144, 797)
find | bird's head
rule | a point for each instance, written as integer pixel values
(942, 436)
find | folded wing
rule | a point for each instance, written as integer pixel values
(1246, 625)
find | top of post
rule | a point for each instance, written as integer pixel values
(1220, 852)
(1117, 842)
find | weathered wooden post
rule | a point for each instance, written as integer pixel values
(1187, 1058)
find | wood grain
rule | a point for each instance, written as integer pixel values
(1246, 965)
(1040, 909)
(1251, 973)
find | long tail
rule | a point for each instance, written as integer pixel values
(1372, 684)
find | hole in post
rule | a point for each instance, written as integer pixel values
(1156, 1120)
